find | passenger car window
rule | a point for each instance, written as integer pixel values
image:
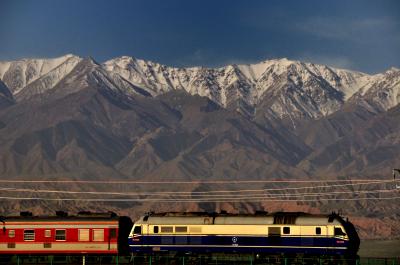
(47, 233)
(83, 234)
(98, 235)
(318, 230)
(11, 233)
(29, 235)
(60, 234)
(155, 229)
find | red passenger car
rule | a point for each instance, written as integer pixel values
(85, 233)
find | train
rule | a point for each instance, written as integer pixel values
(262, 233)
(282, 233)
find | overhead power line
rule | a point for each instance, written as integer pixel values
(180, 182)
(234, 195)
(171, 194)
(192, 193)
(194, 200)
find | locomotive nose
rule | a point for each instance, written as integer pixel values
(354, 240)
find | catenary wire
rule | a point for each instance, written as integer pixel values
(180, 182)
(191, 193)
(266, 195)
(182, 201)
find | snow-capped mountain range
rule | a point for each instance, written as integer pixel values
(287, 89)
(126, 118)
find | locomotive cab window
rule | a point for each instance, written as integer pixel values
(155, 229)
(11, 233)
(137, 230)
(286, 230)
(339, 232)
(29, 235)
(60, 234)
(318, 230)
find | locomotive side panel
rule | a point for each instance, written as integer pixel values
(322, 236)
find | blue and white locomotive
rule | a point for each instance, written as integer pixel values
(275, 233)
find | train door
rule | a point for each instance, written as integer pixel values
(112, 235)
(48, 238)
(321, 234)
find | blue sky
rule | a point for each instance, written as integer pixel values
(360, 35)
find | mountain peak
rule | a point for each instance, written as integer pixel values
(90, 60)
(392, 70)
(126, 58)
(19, 74)
(313, 90)
(284, 60)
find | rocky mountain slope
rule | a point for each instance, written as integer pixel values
(72, 117)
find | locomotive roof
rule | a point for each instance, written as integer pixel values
(297, 218)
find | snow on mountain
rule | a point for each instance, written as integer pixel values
(345, 81)
(18, 74)
(282, 87)
(48, 80)
(243, 86)
(380, 91)
(4, 66)
(299, 90)
(157, 78)
(88, 73)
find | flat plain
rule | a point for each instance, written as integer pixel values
(380, 248)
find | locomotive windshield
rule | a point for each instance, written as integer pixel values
(137, 230)
(339, 232)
